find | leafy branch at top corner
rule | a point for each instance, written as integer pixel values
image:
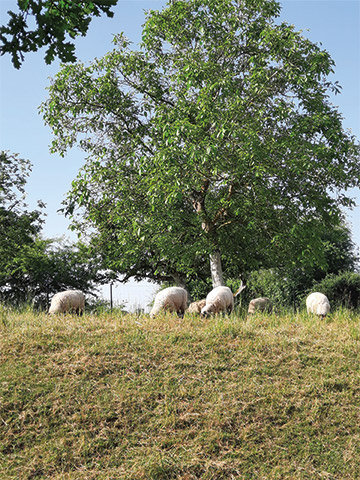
(56, 21)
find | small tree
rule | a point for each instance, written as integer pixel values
(52, 266)
(32, 268)
(18, 226)
(41, 268)
(215, 140)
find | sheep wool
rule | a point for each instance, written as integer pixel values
(318, 303)
(220, 299)
(261, 304)
(68, 301)
(195, 307)
(172, 299)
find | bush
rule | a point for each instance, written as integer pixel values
(341, 290)
(270, 283)
(198, 289)
(98, 305)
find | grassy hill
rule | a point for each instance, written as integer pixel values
(129, 398)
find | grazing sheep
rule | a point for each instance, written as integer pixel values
(68, 301)
(261, 304)
(220, 299)
(195, 307)
(318, 303)
(172, 299)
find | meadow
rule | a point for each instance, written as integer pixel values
(126, 397)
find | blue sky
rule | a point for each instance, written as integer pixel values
(336, 24)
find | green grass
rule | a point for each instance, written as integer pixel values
(129, 398)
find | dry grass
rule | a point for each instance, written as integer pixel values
(129, 398)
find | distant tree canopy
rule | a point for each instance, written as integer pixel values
(56, 21)
(216, 139)
(32, 268)
(45, 267)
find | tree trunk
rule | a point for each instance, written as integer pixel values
(216, 269)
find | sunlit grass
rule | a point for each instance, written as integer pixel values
(127, 397)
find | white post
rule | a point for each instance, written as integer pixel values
(111, 298)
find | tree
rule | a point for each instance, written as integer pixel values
(56, 21)
(18, 226)
(32, 268)
(48, 266)
(216, 139)
(44, 267)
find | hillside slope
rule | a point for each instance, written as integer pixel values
(129, 398)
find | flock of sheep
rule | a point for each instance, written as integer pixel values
(221, 300)
(175, 299)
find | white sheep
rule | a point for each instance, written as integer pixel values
(195, 307)
(261, 304)
(318, 303)
(220, 299)
(172, 299)
(68, 301)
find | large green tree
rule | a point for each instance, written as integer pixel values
(53, 23)
(217, 138)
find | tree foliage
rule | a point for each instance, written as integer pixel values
(13, 176)
(288, 286)
(18, 226)
(56, 22)
(32, 268)
(342, 290)
(217, 135)
(45, 267)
